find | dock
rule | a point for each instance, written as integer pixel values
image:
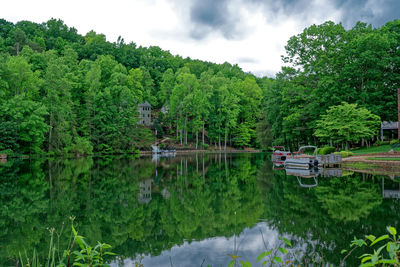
(329, 161)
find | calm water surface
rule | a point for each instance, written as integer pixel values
(191, 210)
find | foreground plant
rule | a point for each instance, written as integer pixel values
(385, 255)
(269, 257)
(84, 256)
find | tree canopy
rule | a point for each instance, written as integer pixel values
(327, 65)
(347, 123)
(78, 94)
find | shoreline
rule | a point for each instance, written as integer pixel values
(194, 151)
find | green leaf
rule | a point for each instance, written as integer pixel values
(245, 264)
(392, 230)
(284, 251)
(343, 251)
(73, 230)
(387, 261)
(365, 259)
(374, 259)
(287, 242)
(261, 255)
(380, 249)
(277, 259)
(231, 263)
(371, 237)
(364, 255)
(357, 242)
(379, 239)
(264, 262)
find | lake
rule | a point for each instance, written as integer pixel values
(191, 210)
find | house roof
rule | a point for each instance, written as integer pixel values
(389, 125)
(145, 104)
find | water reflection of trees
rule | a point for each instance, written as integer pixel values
(327, 217)
(203, 195)
(192, 198)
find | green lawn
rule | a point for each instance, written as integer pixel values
(374, 149)
(388, 159)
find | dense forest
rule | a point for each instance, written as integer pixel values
(62, 92)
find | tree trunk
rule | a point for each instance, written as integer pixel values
(177, 130)
(185, 128)
(50, 133)
(197, 138)
(202, 140)
(226, 136)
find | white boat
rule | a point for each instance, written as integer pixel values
(279, 155)
(157, 150)
(302, 161)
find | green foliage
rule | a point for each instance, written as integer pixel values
(270, 257)
(379, 256)
(243, 136)
(347, 123)
(328, 65)
(84, 256)
(381, 143)
(326, 150)
(394, 141)
(205, 146)
(90, 89)
(345, 154)
(30, 118)
(81, 146)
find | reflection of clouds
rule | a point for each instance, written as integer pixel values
(249, 244)
(215, 250)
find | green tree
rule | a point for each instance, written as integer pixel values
(30, 118)
(347, 123)
(57, 88)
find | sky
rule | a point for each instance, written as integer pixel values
(250, 33)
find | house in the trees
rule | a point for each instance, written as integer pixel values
(391, 128)
(144, 110)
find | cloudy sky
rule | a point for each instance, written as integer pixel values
(250, 33)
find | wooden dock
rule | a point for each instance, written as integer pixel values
(329, 161)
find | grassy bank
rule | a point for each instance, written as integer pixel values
(374, 150)
(384, 159)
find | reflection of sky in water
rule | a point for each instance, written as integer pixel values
(214, 250)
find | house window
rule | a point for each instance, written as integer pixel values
(148, 115)
(143, 115)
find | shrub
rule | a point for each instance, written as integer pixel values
(326, 150)
(394, 141)
(81, 146)
(381, 143)
(344, 153)
(378, 143)
(205, 146)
